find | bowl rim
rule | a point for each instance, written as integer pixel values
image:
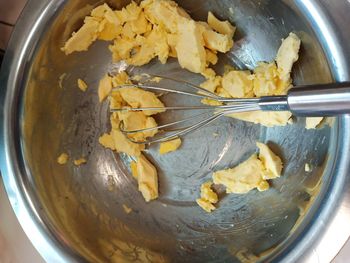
(323, 239)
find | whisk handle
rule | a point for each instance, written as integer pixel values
(320, 100)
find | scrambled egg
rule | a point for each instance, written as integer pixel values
(146, 77)
(161, 29)
(222, 27)
(212, 84)
(271, 162)
(170, 146)
(107, 141)
(265, 118)
(274, 79)
(208, 197)
(137, 98)
(82, 85)
(155, 28)
(156, 79)
(142, 170)
(267, 79)
(124, 145)
(140, 33)
(190, 46)
(105, 87)
(116, 140)
(242, 178)
(84, 37)
(313, 122)
(138, 121)
(239, 84)
(63, 158)
(147, 178)
(79, 162)
(211, 102)
(287, 55)
(251, 174)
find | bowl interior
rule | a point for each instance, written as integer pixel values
(83, 206)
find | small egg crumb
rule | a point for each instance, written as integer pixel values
(63, 158)
(208, 197)
(156, 79)
(307, 167)
(82, 85)
(170, 146)
(211, 102)
(80, 161)
(127, 209)
(136, 77)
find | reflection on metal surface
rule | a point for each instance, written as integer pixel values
(73, 214)
(327, 33)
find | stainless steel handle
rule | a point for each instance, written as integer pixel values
(320, 100)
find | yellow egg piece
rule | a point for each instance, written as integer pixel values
(272, 163)
(239, 84)
(242, 178)
(82, 85)
(79, 162)
(205, 204)
(147, 178)
(104, 87)
(222, 27)
(313, 122)
(170, 146)
(106, 140)
(133, 167)
(137, 98)
(190, 46)
(63, 158)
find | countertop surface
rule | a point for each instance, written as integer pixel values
(15, 247)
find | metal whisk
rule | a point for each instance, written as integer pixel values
(306, 101)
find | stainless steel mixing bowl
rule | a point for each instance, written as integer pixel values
(75, 214)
